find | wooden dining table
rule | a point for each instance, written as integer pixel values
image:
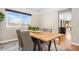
(46, 37)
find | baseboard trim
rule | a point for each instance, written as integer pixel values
(7, 41)
(76, 44)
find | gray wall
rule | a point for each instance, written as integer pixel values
(75, 25)
(7, 33)
(49, 19)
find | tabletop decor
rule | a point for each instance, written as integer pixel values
(33, 29)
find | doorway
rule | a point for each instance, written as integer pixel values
(64, 22)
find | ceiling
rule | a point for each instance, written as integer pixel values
(38, 9)
(43, 9)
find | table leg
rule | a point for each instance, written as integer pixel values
(49, 46)
(55, 45)
(59, 41)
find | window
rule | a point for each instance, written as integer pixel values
(17, 19)
(25, 20)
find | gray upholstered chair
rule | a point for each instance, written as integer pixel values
(19, 39)
(47, 30)
(27, 41)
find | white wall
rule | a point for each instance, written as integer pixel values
(10, 33)
(75, 25)
(49, 19)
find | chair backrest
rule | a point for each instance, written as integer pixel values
(19, 38)
(27, 41)
(47, 30)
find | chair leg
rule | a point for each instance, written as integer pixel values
(39, 46)
(35, 42)
(19, 48)
(34, 47)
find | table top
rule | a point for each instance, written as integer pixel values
(45, 36)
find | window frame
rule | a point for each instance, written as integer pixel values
(20, 17)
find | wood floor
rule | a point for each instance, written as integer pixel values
(73, 47)
(68, 45)
(65, 42)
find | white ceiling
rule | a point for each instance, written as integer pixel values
(38, 9)
(44, 9)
